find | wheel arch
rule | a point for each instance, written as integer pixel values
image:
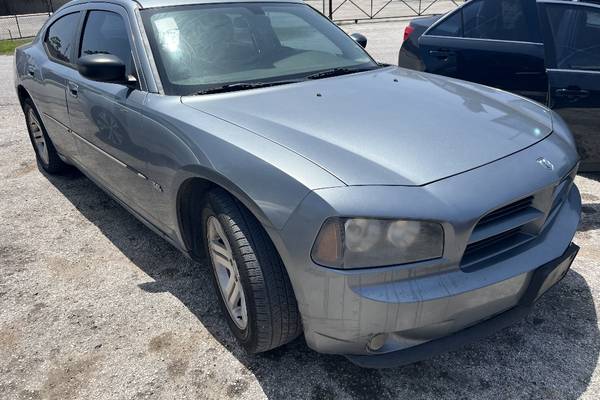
(23, 95)
(190, 198)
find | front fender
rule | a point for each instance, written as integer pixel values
(267, 178)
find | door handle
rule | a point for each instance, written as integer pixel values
(73, 89)
(441, 54)
(572, 93)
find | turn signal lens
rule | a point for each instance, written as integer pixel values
(329, 248)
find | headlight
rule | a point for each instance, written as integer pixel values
(363, 242)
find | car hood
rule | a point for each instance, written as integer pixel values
(389, 126)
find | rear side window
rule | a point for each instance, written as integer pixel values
(60, 38)
(452, 26)
(575, 32)
(105, 32)
(489, 19)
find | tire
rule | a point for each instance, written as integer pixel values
(45, 153)
(272, 317)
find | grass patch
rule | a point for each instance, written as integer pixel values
(7, 47)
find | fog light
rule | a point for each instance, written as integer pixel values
(377, 342)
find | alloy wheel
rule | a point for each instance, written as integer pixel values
(35, 130)
(227, 273)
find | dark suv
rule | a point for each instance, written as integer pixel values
(545, 50)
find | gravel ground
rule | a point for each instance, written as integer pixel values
(93, 305)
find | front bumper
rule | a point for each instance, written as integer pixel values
(343, 310)
(542, 279)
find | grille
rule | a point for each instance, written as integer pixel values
(506, 211)
(514, 224)
(501, 230)
(491, 241)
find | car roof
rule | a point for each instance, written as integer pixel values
(584, 1)
(166, 3)
(596, 2)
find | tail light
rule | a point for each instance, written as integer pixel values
(408, 31)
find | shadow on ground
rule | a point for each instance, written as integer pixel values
(551, 354)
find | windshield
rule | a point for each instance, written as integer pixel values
(207, 46)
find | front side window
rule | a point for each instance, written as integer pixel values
(210, 45)
(105, 32)
(488, 19)
(575, 32)
(61, 37)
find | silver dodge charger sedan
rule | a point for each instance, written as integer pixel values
(387, 214)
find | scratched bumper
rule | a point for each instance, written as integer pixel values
(343, 310)
(542, 279)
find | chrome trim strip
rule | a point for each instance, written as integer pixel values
(55, 120)
(121, 163)
(483, 40)
(586, 71)
(570, 4)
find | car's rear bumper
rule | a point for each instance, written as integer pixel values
(542, 279)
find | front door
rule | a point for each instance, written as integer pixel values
(107, 118)
(492, 42)
(573, 57)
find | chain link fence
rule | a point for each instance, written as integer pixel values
(362, 10)
(20, 7)
(24, 18)
(21, 25)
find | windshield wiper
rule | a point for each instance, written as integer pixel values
(232, 87)
(336, 72)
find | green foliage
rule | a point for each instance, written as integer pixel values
(7, 47)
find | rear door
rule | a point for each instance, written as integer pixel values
(50, 80)
(572, 33)
(492, 42)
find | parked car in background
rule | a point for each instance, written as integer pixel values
(546, 50)
(380, 235)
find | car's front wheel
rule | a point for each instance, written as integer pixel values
(252, 284)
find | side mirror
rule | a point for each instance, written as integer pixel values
(102, 68)
(360, 39)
